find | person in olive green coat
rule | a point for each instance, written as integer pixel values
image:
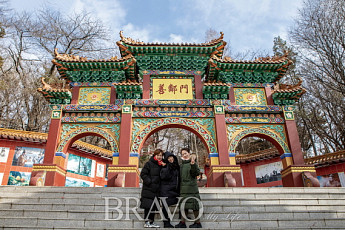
(189, 171)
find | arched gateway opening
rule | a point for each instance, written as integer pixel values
(88, 166)
(173, 139)
(259, 156)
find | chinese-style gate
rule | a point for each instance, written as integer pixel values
(157, 86)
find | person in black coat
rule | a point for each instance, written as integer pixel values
(170, 184)
(150, 174)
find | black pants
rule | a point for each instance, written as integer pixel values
(150, 216)
(165, 213)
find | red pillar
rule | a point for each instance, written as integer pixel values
(232, 96)
(112, 95)
(223, 174)
(294, 143)
(51, 173)
(53, 139)
(198, 87)
(268, 91)
(125, 136)
(146, 87)
(298, 174)
(222, 140)
(75, 95)
(124, 174)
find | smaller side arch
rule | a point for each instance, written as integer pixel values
(77, 134)
(278, 142)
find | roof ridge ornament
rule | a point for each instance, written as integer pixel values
(54, 87)
(131, 41)
(74, 58)
(69, 57)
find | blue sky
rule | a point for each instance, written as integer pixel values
(247, 24)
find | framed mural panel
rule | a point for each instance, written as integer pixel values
(331, 180)
(268, 172)
(26, 157)
(100, 170)
(80, 165)
(19, 178)
(4, 154)
(73, 182)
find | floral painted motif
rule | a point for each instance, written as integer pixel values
(250, 96)
(140, 132)
(237, 132)
(103, 133)
(94, 96)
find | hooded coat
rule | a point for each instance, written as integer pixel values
(170, 180)
(150, 175)
(189, 186)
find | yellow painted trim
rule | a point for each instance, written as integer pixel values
(59, 160)
(49, 168)
(214, 160)
(287, 161)
(232, 160)
(124, 169)
(115, 160)
(292, 169)
(233, 169)
(134, 161)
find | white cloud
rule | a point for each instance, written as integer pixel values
(175, 38)
(111, 13)
(140, 34)
(249, 24)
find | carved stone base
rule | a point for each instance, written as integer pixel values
(47, 175)
(224, 176)
(299, 176)
(123, 176)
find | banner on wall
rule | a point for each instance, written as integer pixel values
(26, 157)
(1, 177)
(100, 170)
(93, 168)
(332, 180)
(73, 182)
(80, 165)
(19, 178)
(4, 154)
(268, 172)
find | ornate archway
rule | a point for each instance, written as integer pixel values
(264, 133)
(71, 137)
(205, 135)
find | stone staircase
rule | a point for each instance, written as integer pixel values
(224, 208)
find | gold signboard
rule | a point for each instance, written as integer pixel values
(172, 89)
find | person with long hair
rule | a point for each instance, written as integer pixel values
(150, 174)
(170, 181)
(189, 191)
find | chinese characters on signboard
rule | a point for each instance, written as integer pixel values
(172, 89)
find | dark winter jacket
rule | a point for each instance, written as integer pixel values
(170, 178)
(189, 186)
(150, 175)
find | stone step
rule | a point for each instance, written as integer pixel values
(94, 215)
(128, 224)
(204, 196)
(239, 190)
(206, 202)
(224, 208)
